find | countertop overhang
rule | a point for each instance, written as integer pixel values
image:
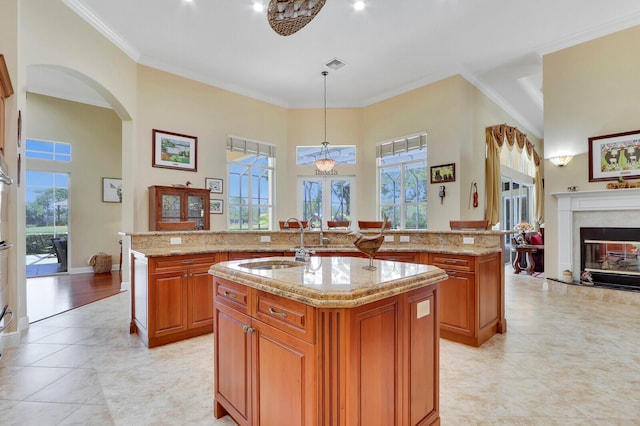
(332, 282)
(269, 248)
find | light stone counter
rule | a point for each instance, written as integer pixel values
(330, 282)
(343, 248)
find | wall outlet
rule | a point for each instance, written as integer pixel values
(265, 238)
(175, 240)
(404, 238)
(388, 238)
(467, 240)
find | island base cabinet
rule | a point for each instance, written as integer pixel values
(375, 364)
(394, 347)
(264, 376)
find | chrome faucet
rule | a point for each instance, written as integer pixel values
(319, 219)
(301, 253)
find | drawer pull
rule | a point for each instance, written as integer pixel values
(450, 261)
(229, 295)
(280, 314)
(452, 273)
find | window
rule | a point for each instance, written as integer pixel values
(343, 154)
(402, 181)
(47, 150)
(251, 178)
(327, 197)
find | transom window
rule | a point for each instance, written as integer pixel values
(48, 150)
(251, 184)
(343, 154)
(403, 181)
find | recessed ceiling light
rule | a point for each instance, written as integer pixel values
(359, 5)
(258, 7)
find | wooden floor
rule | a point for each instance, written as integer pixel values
(51, 295)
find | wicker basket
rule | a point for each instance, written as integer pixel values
(101, 263)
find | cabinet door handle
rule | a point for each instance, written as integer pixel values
(248, 330)
(185, 276)
(230, 295)
(280, 314)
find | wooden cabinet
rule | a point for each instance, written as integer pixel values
(172, 297)
(6, 90)
(176, 208)
(280, 361)
(471, 299)
(264, 369)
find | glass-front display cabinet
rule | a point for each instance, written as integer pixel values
(178, 208)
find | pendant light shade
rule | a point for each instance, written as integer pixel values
(325, 163)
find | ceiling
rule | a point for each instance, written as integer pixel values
(389, 48)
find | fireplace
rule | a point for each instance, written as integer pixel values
(591, 209)
(611, 255)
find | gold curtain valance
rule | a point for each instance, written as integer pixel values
(496, 136)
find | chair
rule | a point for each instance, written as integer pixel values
(60, 247)
(292, 225)
(338, 224)
(372, 224)
(468, 224)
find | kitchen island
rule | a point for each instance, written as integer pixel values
(326, 342)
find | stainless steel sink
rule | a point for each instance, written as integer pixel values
(269, 265)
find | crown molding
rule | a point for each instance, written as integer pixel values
(92, 19)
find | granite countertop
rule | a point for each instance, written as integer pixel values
(330, 282)
(350, 248)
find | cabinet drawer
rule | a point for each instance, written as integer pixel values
(231, 294)
(288, 315)
(451, 261)
(162, 264)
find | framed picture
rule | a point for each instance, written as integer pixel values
(111, 190)
(614, 156)
(215, 206)
(174, 151)
(213, 184)
(444, 173)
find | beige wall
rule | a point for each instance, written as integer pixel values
(175, 104)
(94, 134)
(591, 89)
(455, 114)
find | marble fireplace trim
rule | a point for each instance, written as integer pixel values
(620, 207)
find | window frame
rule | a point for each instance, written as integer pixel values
(256, 150)
(406, 146)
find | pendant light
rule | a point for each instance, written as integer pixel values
(325, 163)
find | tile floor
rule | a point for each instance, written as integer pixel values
(571, 357)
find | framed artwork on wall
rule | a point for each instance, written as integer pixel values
(615, 156)
(443, 173)
(174, 151)
(214, 185)
(111, 190)
(215, 206)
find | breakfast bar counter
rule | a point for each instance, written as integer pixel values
(326, 341)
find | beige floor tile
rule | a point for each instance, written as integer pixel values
(570, 357)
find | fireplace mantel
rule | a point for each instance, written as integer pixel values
(585, 201)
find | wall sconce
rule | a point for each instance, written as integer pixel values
(561, 160)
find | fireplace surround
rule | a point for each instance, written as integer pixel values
(601, 208)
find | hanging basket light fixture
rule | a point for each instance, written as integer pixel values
(287, 17)
(325, 163)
